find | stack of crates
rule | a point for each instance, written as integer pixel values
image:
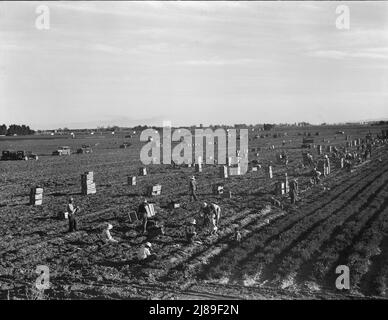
(36, 196)
(174, 205)
(224, 172)
(198, 167)
(280, 188)
(142, 171)
(132, 181)
(87, 184)
(270, 175)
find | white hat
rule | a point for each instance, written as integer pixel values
(192, 178)
(193, 221)
(109, 226)
(204, 204)
(148, 244)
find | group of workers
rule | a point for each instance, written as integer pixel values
(210, 213)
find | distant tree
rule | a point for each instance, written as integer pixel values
(3, 129)
(268, 126)
(19, 130)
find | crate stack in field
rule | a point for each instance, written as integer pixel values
(132, 181)
(280, 188)
(224, 172)
(36, 196)
(319, 149)
(286, 182)
(198, 165)
(87, 184)
(174, 205)
(270, 175)
(155, 190)
(142, 171)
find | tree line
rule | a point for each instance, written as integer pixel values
(15, 129)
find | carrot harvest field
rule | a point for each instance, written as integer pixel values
(285, 249)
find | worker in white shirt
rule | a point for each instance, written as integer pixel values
(108, 235)
(144, 253)
(71, 210)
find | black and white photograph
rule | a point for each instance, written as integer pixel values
(194, 150)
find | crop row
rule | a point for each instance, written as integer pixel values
(256, 244)
(291, 248)
(359, 209)
(367, 246)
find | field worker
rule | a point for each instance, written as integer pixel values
(205, 213)
(217, 213)
(326, 163)
(193, 189)
(310, 160)
(191, 233)
(211, 211)
(71, 215)
(316, 175)
(142, 212)
(293, 190)
(369, 148)
(213, 223)
(145, 252)
(237, 235)
(107, 233)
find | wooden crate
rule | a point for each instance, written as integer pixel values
(142, 171)
(280, 188)
(133, 216)
(218, 189)
(224, 172)
(155, 190)
(270, 174)
(150, 209)
(132, 181)
(36, 196)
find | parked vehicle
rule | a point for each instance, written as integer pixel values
(64, 150)
(124, 145)
(85, 149)
(18, 155)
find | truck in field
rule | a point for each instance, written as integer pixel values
(61, 151)
(86, 148)
(18, 155)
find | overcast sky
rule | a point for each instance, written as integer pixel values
(128, 63)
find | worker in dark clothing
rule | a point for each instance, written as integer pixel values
(191, 233)
(237, 235)
(142, 212)
(293, 190)
(71, 210)
(193, 189)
